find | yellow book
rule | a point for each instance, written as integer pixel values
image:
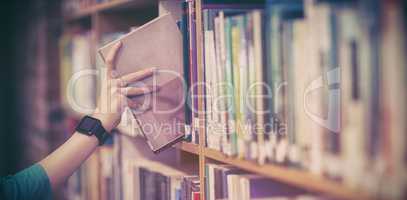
(236, 34)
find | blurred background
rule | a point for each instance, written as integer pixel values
(29, 91)
(45, 41)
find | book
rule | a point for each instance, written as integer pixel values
(312, 98)
(186, 65)
(210, 61)
(230, 106)
(162, 115)
(239, 67)
(227, 182)
(190, 188)
(150, 179)
(193, 71)
(393, 77)
(352, 94)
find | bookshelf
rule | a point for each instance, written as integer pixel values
(188, 147)
(105, 17)
(295, 177)
(116, 5)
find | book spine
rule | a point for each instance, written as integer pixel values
(259, 129)
(193, 68)
(244, 82)
(218, 87)
(394, 78)
(240, 82)
(205, 90)
(186, 63)
(230, 88)
(225, 139)
(211, 85)
(235, 39)
(250, 107)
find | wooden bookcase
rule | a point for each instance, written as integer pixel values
(120, 15)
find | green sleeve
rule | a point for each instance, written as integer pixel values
(31, 184)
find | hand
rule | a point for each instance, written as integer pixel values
(115, 91)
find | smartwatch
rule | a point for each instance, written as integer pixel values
(91, 126)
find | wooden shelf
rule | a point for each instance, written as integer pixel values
(294, 177)
(109, 6)
(188, 147)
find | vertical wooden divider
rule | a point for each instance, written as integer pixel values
(95, 157)
(200, 70)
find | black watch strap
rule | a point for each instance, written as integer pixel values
(101, 134)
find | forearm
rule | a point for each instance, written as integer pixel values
(61, 163)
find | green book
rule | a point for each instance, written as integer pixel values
(230, 85)
(239, 60)
(235, 39)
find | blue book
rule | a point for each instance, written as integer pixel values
(186, 66)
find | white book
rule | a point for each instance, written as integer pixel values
(312, 97)
(210, 89)
(220, 80)
(353, 114)
(259, 88)
(301, 65)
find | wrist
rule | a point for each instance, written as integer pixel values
(106, 120)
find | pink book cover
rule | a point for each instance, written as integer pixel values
(157, 43)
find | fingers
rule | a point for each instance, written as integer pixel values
(136, 76)
(111, 57)
(134, 91)
(137, 108)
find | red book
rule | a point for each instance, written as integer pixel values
(196, 196)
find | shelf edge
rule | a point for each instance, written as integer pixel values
(295, 177)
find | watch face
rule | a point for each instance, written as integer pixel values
(86, 125)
